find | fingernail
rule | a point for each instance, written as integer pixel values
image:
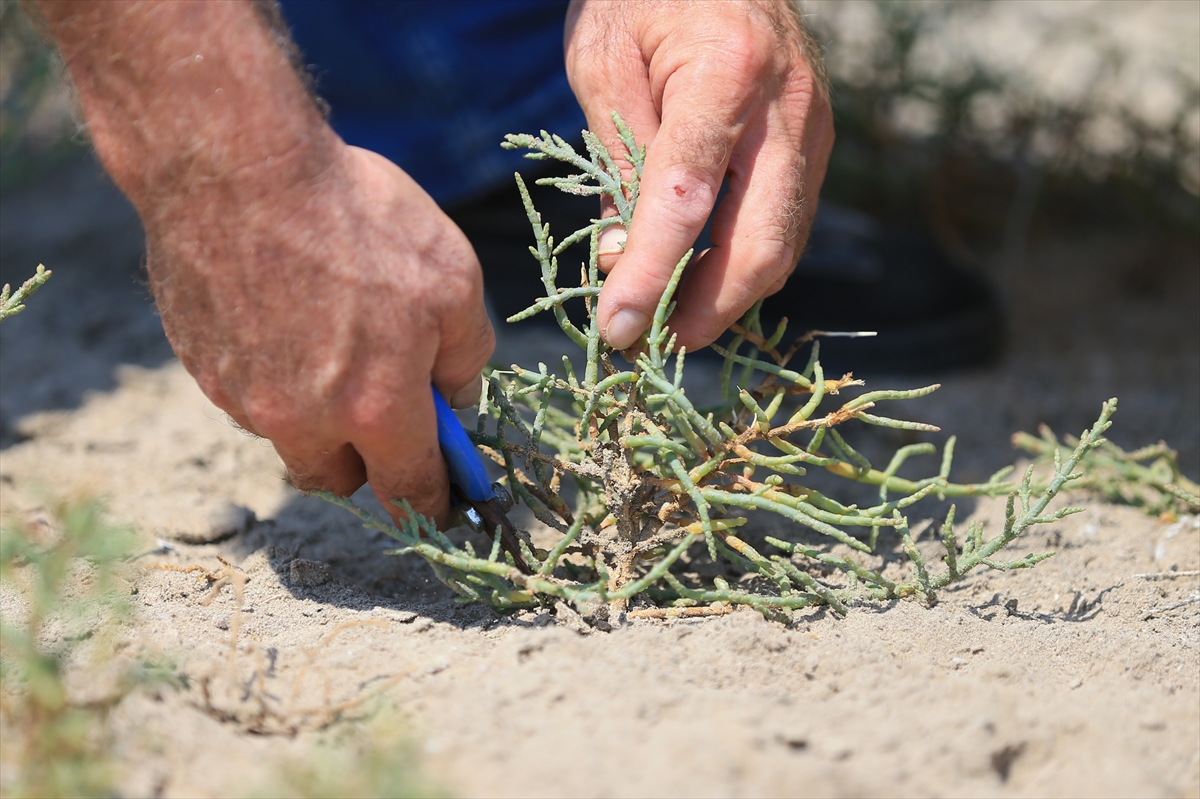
(625, 327)
(612, 240)
(468, 395)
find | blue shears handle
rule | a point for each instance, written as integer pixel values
(462, 458)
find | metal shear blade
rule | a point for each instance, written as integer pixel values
(488, 518)
(475, 497)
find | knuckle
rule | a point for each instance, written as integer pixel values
(767, 265)
(422, 489)
(300, 477)
(748, 50)
(213, 387)
(272, 416)
(594, 33)
(688, 196)
(777, 286)
(372, 414)
(463, 284)
(793, 207)
(343, 484)
(777, 274)
(457, 282)
(706, 329)
(702, 145)
(786, 204)
(714, 327)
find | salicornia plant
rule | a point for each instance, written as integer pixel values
(643, 489)
(13, 302)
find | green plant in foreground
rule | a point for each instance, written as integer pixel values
(642, 488)
(54, 746)
(374, 756)
(12, 302)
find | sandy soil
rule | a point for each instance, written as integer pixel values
(1077, 690)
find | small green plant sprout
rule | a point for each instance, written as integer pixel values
(648, 496)
(13, 302)
(63, 573)
(374, 755)
(1148, 478)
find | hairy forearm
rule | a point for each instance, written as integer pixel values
(179, 95)
(312, 288)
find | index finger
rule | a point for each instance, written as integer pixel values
(680, 181)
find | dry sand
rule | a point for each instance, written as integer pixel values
(1076, 691)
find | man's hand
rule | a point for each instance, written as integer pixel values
(311, 288)
(317, 317)
(714, 89)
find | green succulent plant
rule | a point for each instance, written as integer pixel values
(641, 487)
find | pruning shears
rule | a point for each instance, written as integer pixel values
(483, 504)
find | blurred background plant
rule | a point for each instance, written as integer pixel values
(974, 114)
(67, 661)
(64, 600)
(1147, 478)
(36, 121)
(374, 756)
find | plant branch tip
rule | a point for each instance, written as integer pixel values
(12, 302)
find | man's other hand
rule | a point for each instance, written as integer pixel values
(317, 315)
(312, 289)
